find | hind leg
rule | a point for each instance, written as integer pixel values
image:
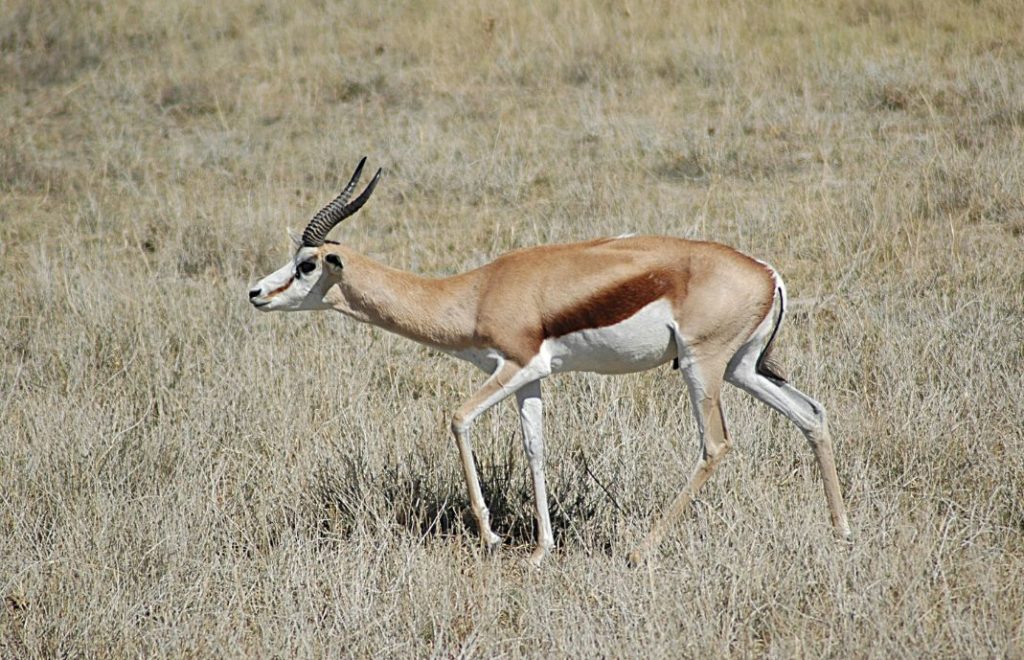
(809, 417)
(704, 382)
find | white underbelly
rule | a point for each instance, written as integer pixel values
(642, 341)
(485, 359)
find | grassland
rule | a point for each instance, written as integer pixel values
(182, 476)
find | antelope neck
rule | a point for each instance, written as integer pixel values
(431, 311)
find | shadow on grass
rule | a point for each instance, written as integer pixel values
(430, 500)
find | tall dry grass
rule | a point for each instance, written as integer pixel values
(182, 476)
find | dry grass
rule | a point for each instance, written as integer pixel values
(182, 476)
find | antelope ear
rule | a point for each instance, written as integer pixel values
(334, 261)
(295, 236)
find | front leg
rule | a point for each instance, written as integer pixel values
(505, 380)
(531, 416)
(476, 497)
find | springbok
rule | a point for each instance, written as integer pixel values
(610, 306)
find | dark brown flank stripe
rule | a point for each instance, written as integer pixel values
(612, 305)
(281, 288)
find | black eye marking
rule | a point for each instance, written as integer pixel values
(334, 260)
(306, 267)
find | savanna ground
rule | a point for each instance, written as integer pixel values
(180, 475)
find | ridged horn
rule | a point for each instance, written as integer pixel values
(329, 216)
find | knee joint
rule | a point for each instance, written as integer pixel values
(820, 418)
(715, 451)
(460, 424)
(816, 427)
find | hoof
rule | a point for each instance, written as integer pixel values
(493, 545)
(536, 557)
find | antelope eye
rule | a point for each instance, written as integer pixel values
(307, 267)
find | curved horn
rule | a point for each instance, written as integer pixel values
(329, 216)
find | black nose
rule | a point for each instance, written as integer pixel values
(254, 293)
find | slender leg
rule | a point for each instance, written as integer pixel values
(531, 414)
(476, 496)
(809, 416)
(505, 380)
(704, 384)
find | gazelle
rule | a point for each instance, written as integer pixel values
(611, 306)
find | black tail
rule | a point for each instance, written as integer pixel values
(766, 366)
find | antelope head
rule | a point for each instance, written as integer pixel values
(314, 268)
